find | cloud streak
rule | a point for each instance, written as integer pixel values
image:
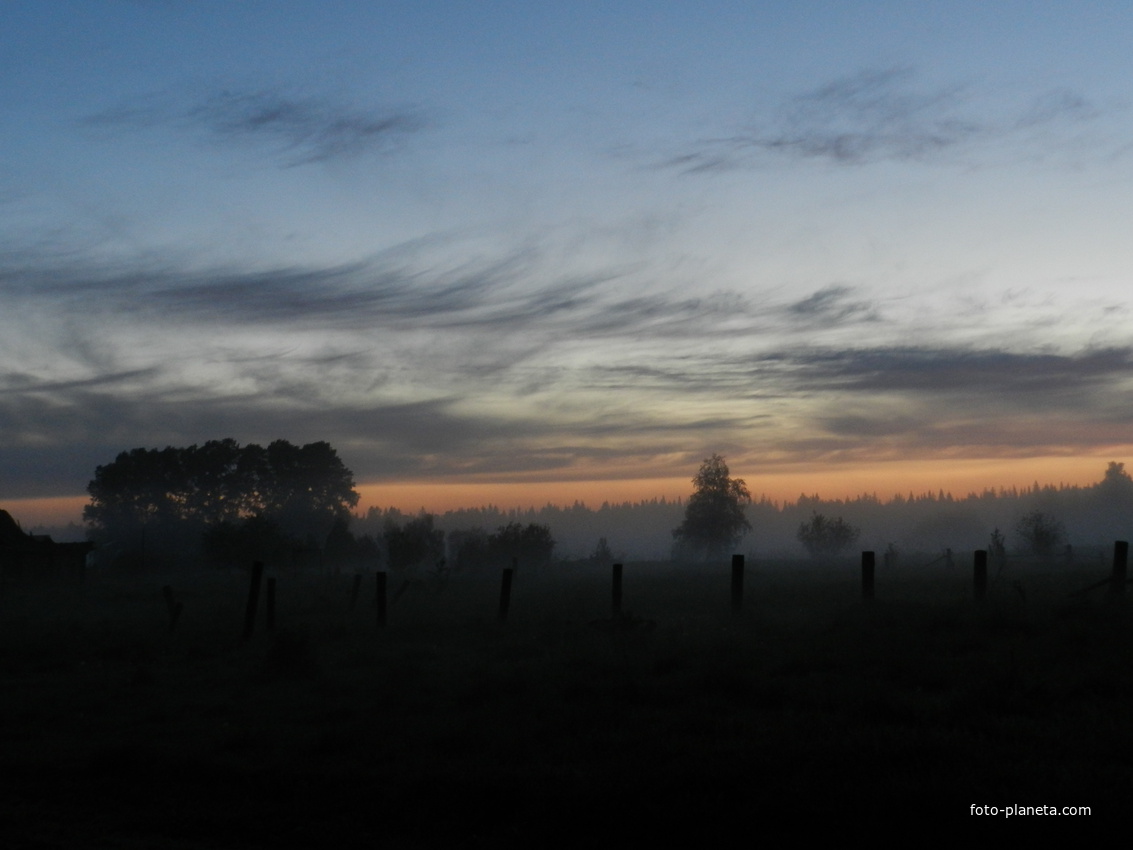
(298, 130)
(878, 116)
(946, 371)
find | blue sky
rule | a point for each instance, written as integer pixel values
(489, 243)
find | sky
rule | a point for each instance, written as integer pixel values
(531, 252)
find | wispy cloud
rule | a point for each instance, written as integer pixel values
(411, 369)
(831, 305)
(296, 129)
(1010, 376)
(877, 115)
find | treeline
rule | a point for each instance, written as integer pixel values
(1094, 514)
(227, 503)
(627, 530)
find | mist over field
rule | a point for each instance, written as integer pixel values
(926, 523)
(1093, 517)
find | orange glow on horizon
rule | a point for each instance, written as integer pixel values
(783, 484)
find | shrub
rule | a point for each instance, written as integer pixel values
(821, 536)
(1042, 533)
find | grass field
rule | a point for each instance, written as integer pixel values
(560, 727)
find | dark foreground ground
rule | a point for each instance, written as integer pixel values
(560, 727)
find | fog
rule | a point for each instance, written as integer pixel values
(920, 525)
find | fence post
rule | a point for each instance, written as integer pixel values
(979, 574)
(381, 599)
(253, 599)
(505, 593)
(616, 595)
(355, 589)
(867, 576)
(269, 619)
(737, 584)
(1120, 559)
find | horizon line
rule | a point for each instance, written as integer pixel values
(64, 511)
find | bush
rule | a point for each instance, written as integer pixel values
(530, 544)
(821, 536)
(415, 543)
(1043, 534)
(469, 549)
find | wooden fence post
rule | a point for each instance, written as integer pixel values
(1120, 560)
(253, 599)
(381, 599)
(355, 590)
(979, 574)
(616, 594)
(737, 584)
(867, 576)
(505, 593)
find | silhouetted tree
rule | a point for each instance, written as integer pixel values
(342, 548)
(165, 499)
(1116, 484)
(531, 544)
(415, 543)
(303, 488)
(1043, 533)
(602, 553)
(714, 517)
(468, 548)
(826, 537)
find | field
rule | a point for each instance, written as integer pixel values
(562, 726)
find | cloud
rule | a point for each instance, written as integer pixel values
(874, 116)
(476, 369)
(1057, 106)
(831, 305)
(496, 298)
(1002, 374)
(298, 129)
(25, 384)
(871, 115)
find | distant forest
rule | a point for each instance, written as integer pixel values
(1093, 515)
(927, 523)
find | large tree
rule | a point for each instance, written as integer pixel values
(714, 517)
(161, 498)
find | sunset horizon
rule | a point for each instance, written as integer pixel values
(957, 478)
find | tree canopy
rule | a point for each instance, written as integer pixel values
(180, 492)
(714, 517)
